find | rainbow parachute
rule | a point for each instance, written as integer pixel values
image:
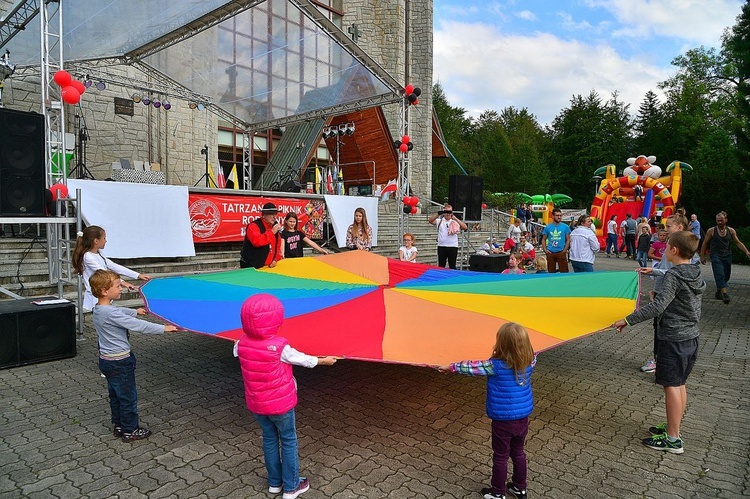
(365, 306)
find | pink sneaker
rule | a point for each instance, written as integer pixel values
(304, 486)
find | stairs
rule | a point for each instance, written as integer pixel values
(24, 268)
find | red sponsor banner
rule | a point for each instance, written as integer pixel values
(218, 218)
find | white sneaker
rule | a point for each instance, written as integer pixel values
(275, 490)
(649, 366)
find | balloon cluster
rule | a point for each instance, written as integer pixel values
(404, 145)
(412, 94)
(410, 204)
(72, 90)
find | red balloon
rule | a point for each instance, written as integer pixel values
(416, 101)
(62, 78)
(59, 191)
(70, 95)
(407, 200)
(409, 89)
(405, 139)
(414, 201)
(78, 86)
(484, 206)
(413, 210)
(404, 148)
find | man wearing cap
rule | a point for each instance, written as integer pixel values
(262, 244)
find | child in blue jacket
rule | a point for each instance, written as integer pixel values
(509, 404)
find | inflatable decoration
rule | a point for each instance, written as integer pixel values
(642, 191)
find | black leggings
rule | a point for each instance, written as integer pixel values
(447, 253)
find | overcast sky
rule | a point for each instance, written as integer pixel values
(537, 54)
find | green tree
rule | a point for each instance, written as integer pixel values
(456, 126)
(649, 128)
(737, 54)
(530, 174)
(588, 134)
(701, 112)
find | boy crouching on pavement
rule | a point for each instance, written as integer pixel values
(678, 307)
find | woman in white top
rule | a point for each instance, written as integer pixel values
(87, 259)
(583, 245)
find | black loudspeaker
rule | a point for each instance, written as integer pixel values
(22, 170)
(291, 186)
(488, 263)
(32, 333)
(465, 194)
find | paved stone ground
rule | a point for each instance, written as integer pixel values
(371, 430)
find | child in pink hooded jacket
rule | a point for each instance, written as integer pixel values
(271, 391)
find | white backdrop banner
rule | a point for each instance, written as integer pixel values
(341, 209)
(141, 220)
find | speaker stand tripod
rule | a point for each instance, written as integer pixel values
(83, 136)
(207, 175)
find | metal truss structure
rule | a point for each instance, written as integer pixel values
(17, 18)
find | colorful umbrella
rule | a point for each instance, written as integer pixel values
(365, 306)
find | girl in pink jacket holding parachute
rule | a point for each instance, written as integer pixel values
(271, 391)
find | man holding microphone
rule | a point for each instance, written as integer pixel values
(262, 244)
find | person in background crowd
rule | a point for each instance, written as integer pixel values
(556, 243)
(448, 228)
(718, 242)
(262, 245)
(408, 252)
(526, 249)
(583, 245)
(293, 239)
(644, 244)
(514, 231)
(359, 233)
(612, 236)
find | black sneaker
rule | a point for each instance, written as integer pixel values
(725, 298)
(487, 494)
(137, 434)
(117, 431)
(661, 442)
(717, 295)
(520, 494)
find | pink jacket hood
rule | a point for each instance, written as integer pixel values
(261, 316)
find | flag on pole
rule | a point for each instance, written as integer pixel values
(340, 183)
(233, 178)
(212, 176)
(389, 189)
(318, 181)
(329, 182)
(221, 181)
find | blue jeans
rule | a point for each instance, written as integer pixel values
(642, 257)
(582, 266)
(612, 242)
(282, 468)
(123, 398)
(722, 267)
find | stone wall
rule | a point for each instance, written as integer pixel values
(383, 26)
